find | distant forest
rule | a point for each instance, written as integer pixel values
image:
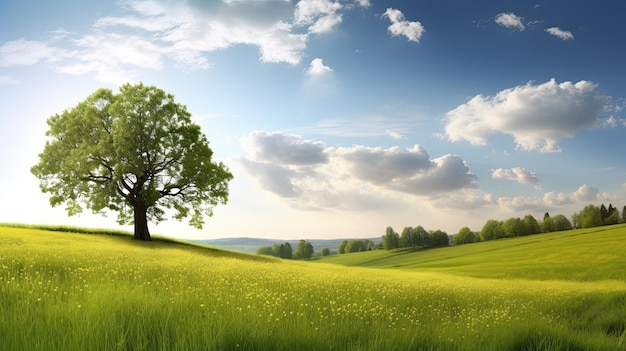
(418, 237)
(590, 216)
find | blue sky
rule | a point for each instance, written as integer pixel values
(340, 118)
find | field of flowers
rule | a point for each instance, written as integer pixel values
(61, 291)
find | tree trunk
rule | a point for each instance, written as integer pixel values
(141, 222)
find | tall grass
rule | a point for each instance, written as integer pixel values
(60, 291)
(67, 229)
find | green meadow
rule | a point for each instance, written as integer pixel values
(69, 291)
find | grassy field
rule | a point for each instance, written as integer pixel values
(575, 255)
(66, 291)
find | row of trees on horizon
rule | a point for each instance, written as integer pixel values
(304, 250)
(588, 217)
(418, 237)
(413, 238)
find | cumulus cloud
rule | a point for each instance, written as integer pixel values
(559, 33)
(272, 177)
(317, 68)
(537, 116)
(284, 149)
(413, 31)
(310, 175)
(202, 27)
(313, 176)
(510, 20)
(321, 15)
(147, 34)
(586, 193)
(320, 80)
(550, 200)
(383, 166)
(516, 174)
(447, 173)
(521, 203)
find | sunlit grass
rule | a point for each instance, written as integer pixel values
(584, 254)
(62, 291)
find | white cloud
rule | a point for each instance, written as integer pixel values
(284, 149)
(313, 176)
(586, 193)
(394, 135)
(317, 68)
(321, 15)
(23, 52)
(149, 33)
(205, 27)
(510, 20)
(551, 200)
(519, 204)
(272, 177)
(113, 58)
(447, 173)
(413, 31)
(610, 122)
(325, 24)
(384, 166)
(554, 200)
(320, 82)
(516, 174)
(559, 33)
(537, 116)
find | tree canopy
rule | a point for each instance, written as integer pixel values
(304, 250)
(137, 153)
(465, 236)
(391, 239)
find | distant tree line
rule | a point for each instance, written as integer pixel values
(304, 250)
(418, 237)
(590, 216)
(413, 238)
(356, 245)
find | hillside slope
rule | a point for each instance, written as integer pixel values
(580, 255)
(115, 293)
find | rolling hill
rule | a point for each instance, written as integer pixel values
(557, 291)
(583, 254)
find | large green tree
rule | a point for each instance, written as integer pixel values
(561, 222)
(590, 216)
(391, 239)
(531, 224)
(465, 236)
(136, 152)
(492, 229)
(304, 250)
(342, 247)
(407, 238)
(439, 238)
(513, 226)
